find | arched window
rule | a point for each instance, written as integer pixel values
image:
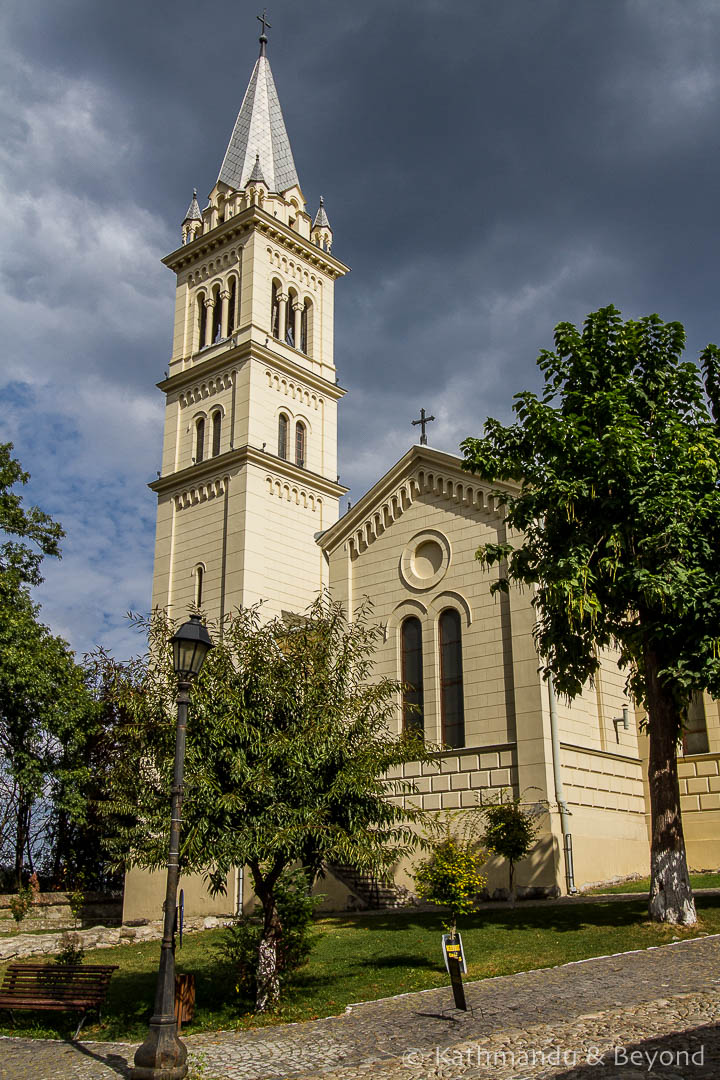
(304, 327)
(412, 674)
(216, 317)
(199, 574)
(231, 305)
(290, 327)
(451, 679)
(275, 311)
(283, 429)
(300, 444)
(202, 319)
(216, 432)
(199, 439)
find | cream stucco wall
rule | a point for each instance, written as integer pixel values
(507, 724)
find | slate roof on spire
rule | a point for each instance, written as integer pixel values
(193, 210)
(256, 176)
(321, 218)
(260, 130)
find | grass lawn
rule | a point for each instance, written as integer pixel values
(363, 957)
(642, 885)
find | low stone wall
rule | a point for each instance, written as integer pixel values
(51, 911)
(20, 946)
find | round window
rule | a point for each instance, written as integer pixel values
(425, 559)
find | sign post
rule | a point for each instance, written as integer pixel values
(454, 956)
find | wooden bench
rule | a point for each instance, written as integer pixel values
(58, 987)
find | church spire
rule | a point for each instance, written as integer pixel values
(260, 130)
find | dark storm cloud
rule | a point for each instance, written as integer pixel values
(489, 170)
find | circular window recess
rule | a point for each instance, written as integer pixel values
(425, 559)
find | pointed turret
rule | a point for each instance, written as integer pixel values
(321, 232)
(256, 176)
(260, 130)
(321, 218)
(192, 222)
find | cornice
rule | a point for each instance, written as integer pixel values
(421, 470)
(249, 218)
(238, 355)
(216, 468)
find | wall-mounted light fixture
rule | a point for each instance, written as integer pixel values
(624, 720)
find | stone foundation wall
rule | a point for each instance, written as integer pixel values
(51, 911)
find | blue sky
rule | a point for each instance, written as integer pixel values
(489, 170)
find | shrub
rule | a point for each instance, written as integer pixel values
(241, 940)
(72, 951)
(511, 830)
(451, 875)
(76, 900)
(21, 903)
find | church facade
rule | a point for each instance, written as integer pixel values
(248, 510)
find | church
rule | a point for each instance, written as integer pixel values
(248, 510)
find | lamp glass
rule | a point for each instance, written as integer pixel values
(190, 644)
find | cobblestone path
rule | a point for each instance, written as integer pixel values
(650, 1014)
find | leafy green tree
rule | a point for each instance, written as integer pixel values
(614, 500)
(451, 875)
(289, 745)
(510, 830)
(43, 699)
(19, 560)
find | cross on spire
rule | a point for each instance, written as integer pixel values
(423, 421)
(265, 26)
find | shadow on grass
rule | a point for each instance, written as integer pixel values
(566, 917)
(399, 960)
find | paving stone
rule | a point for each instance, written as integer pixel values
(581, 1021)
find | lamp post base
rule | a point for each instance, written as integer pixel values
(162, 1056)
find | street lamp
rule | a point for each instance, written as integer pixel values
(162, 1055)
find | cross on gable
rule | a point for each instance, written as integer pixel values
(423, 421)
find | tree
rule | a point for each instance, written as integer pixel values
(19, 561)
(451, 874)
(44, 709)
(44, 703)
(615, 501)
(289, 747)
(510, 831)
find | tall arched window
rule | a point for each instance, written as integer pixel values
(216, 432)
(232, 302)
(412, 674)
(290, 321)
(451, 679)
(216, 317)
(300, 444)
(199, 439)
(274, 311)
(199, 574)
(283, 430)
(304, 327)
(202, 319)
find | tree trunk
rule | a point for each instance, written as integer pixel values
(21, 833)
(268, 969)
(511, 897)
(671, 898)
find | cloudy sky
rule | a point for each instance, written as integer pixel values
(489, 169)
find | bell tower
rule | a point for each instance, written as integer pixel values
(249, 461)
